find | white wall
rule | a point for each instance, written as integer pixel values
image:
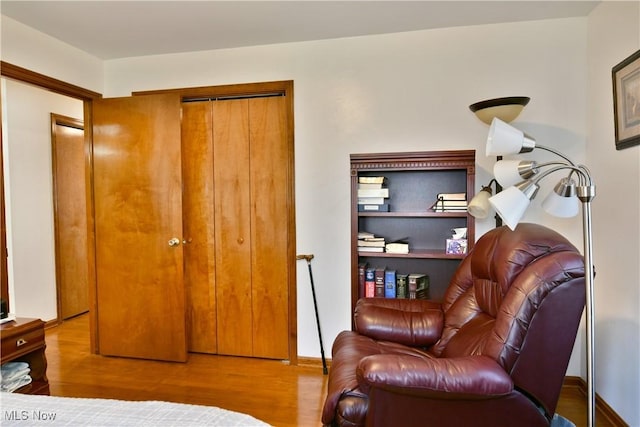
(20, 45)
(614, 34)
(29, 188)
(397, 92)
(27, 142)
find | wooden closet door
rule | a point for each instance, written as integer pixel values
(138, 210)
(199, 227)
(233, 226)
(251, 181)
(269, 177)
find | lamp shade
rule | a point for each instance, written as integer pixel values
(510, 172)
(562, 201)
(506, 109)
(512, 203)
(479, 206)
(505, 139)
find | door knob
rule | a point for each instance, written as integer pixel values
(174, 242)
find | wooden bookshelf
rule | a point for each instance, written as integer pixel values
(414, 180)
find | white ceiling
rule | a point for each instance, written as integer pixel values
(118, 29)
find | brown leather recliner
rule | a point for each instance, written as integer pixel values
(493, 353)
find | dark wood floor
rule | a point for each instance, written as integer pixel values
(272, 391)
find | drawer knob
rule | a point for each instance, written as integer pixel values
(21, 342)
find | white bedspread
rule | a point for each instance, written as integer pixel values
(29, 410)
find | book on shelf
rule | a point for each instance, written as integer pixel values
(418, 285)
(397, 248)
(390, 284)
(373, 207)
(369, 186)
(379, 281)
(401, 285)
(373, 239)
(370, 249)
(373, 192)
(446, 205)
(369, 282)
(362, 243)
(371, 179)
(362, 268)
(365, 234)
(368, 241)
(452, 196)
(371, 200)
(422, 293)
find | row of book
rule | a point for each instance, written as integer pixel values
(369, 242)
(372, 194)
(377, 282)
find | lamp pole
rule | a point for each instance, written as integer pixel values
(586, 194)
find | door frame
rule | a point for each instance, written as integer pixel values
(284, 87)
(4, 272)
(33, 78)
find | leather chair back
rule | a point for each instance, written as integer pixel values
(515, 298)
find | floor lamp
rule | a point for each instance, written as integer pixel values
(520, 179)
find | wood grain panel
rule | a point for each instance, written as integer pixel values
(70, 216)
(138, 209)
(198, 225)
(232, 222)
(269, 219)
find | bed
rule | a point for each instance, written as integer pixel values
(28, 410)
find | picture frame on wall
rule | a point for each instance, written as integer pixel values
(626, 101)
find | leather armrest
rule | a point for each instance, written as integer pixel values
(416, 323)
(470, 377)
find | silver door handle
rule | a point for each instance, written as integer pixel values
(174, 242)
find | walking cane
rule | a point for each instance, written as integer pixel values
(308, 258)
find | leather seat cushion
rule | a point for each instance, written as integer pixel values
(349, 349)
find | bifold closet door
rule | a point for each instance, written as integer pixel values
(269, 176)
(233, 225)
(199, 226)
(250, 176)
(138, 227)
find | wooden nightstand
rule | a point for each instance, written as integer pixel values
(23, 341)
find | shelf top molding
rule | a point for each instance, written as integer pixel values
(448, 159)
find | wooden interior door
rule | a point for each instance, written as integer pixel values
(269, 176)
(70, 216)
(199, 226)
(138, 227)
(233, 223)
